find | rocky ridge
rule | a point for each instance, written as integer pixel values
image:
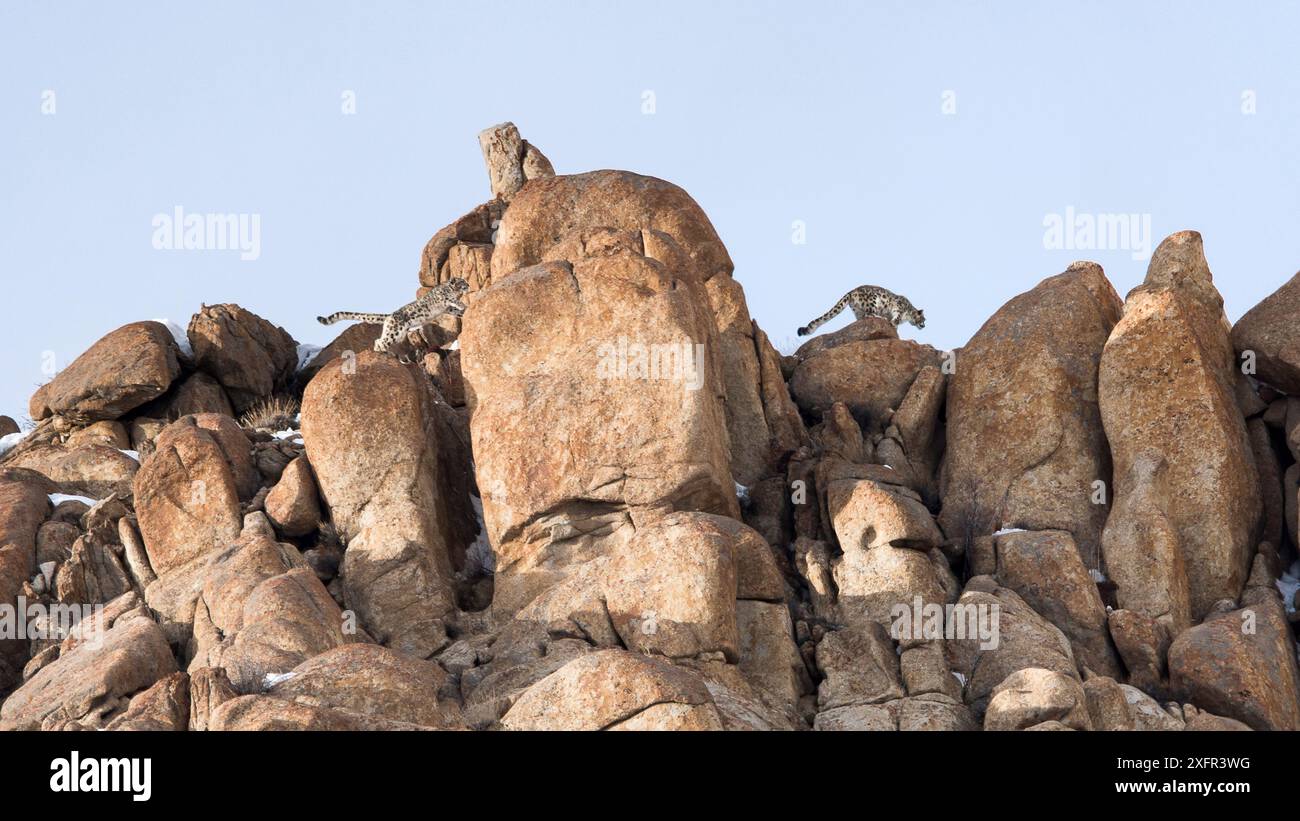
(603, 500)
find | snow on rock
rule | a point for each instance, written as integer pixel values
(306, 354)
(8, 443)
(1004, 531)
(57, 499)
(272, 679)
(181, 336)
(134, 454)
(1288, 585)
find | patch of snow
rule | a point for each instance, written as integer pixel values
(272, 679)
(8, 443)
(479, 555)
(960, 678)
(742, 493)
(134, 454)
(307, 353)
(1097, 576)
(47, 571)
(181, 336)
(454, 346)
(1288, 585)
(294, 436)
(57, 499)
(1004, 531)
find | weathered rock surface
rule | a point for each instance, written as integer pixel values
(371, 437)
(871, 377)
(1027, 381)
(671, 589)
(250, 357)
(571, 437)
(1269, 332)
(1167, 393)
(188, 508)
(1032, 696)
(1224, 667)
(372, 681)
(1015, 638)
(511, 160)
(1045, 569)
(125, 369)
(95, 471)
(615, 689)
(94, 679)
(549, 209)
(293, 505)
(24, 504)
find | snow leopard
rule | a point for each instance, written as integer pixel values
(869, 300)
(443, 299)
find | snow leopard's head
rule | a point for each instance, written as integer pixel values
(916, 317)
(456, 288)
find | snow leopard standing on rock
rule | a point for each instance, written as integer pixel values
(869, 300)
(444, 299)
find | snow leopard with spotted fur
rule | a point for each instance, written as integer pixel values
(443, 299)
(870, 300)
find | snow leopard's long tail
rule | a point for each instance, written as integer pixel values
(353, 316)
(824, 318)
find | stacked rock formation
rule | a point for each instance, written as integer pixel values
(603, 500)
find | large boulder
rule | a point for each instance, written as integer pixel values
(371, 434)
(195, 394)
(754, 455)
(284, 621)
(127, 368)
(293, 505)
(463, 249)
(1014, 638)
(349, 343)
(250, 357)
(187, 504)
(90, 470)
(867, 514)
(599, 401)
(262, 611)
(1240, 664)
(1032, 696)
(94, 679)
(1268, 331)
(671, 589)
(615, 690)
(24, 505)
(259, 713)
(548, 209)
(1025, 443)
(1167, 392)
(1044, 568)
(869, 376)
(373, 681)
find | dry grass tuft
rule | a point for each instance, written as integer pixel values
(274, 414)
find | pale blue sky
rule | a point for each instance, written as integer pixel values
(767, 113)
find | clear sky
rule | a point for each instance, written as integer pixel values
(922, 146)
